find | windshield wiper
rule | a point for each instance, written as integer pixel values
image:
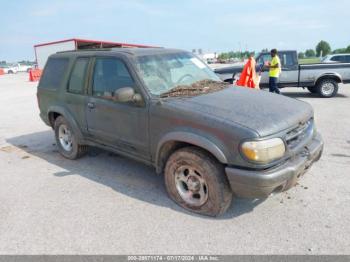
(199, 87)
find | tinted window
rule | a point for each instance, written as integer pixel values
(336, 58)
(341, 58)
(110, 74)
(344, 59)
(53, 74)
(76, 81)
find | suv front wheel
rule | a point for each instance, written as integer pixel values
(197, 181)
(66, 140)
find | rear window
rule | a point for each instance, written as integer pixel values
(53, 74)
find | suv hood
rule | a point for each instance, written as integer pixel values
(263, 112)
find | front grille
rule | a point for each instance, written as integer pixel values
(299, 134)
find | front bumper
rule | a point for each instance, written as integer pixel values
(261, 183)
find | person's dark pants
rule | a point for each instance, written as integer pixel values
(273, 85)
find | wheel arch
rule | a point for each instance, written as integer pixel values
(334, 76)
(56, 111)
(176, 140)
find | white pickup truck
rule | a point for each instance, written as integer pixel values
(9, 69)
(23, 67)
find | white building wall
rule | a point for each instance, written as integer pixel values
(43, 52)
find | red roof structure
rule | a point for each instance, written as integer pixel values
(89, 44)
(43, 51)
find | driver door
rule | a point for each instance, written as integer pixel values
(122, 125)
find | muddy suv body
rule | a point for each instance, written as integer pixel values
(209, 146)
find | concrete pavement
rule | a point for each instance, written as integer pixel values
(107, 204)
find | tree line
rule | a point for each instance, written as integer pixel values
(323, 48)
(232, 54)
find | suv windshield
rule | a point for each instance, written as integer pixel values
(164, 73)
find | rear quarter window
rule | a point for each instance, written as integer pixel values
(53, 73)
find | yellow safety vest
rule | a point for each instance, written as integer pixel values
(275, 72)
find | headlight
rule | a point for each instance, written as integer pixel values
(264, 151)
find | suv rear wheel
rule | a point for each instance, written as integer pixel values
(196, 181)
(66, 140)
(327, 88)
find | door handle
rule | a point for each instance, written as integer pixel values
(91, 105)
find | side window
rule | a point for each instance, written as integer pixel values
(53, 73)
(335, 58)
(287, 60)
(77, 78)
(344, 59)
(110, 74)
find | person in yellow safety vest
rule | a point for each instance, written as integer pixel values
(274, 72)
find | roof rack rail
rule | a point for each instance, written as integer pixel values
(87, 49)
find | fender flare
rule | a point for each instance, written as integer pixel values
(193, 139)
(62, 111)
(331, 75)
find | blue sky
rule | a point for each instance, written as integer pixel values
(220, 25)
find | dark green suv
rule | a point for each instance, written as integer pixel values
(166, 108)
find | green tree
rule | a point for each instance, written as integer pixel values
(223, 56)
(310, 53)
(347, 50)
(232, 54)
(339, 51)
(323, 48)
(301, 55)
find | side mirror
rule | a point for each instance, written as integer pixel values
(127, 94)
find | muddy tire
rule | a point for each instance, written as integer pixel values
(66, 140)
(327, 88)
(197, 182)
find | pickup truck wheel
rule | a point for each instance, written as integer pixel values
(197, 182)
(66, 140)
(327, 88)
(312, 89)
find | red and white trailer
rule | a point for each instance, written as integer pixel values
(43, 51)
